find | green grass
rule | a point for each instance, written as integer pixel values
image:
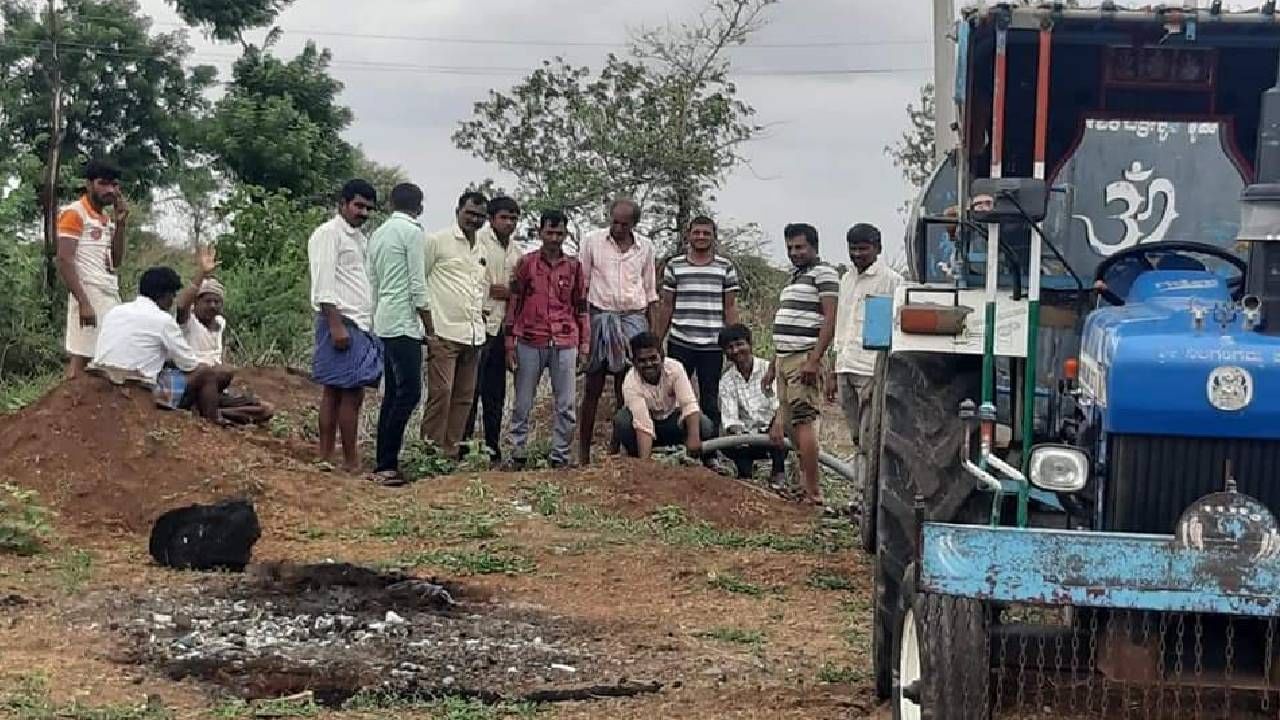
(740, 636)
(75, 569)
(841, 674)
(434, 525)
(286, 707)
(24, 522)
(544, 498)
(471, 562)
(828, 579)
(731, 583)
(30, 700)
(452, 708)
(19, 392)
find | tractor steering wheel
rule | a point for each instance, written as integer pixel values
(1151, 255)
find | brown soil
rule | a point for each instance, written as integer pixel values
(109, 462)
(637, 488)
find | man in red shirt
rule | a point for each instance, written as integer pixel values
(547, 329)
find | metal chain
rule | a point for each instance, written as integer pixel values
(1092, 660)
(1002, 668)
(1105, 695)
(1230, 654)
(1057, 670)
(1266, 664)
(1177, 664)
(1160, 664)
(1075, 655)
(1022, 670)
(1199, 633)
(1146, 643)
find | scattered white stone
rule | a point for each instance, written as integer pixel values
(394, 618)
(563, 668)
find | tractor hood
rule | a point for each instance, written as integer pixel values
(1154, 369)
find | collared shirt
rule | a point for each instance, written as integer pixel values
(743, 402)
(92, 232)
(618, 281)
(499, 264)
(457, 285)
(205, 342)
(799, 318)
(138, 338)
(548, 305)
(697, 314)
(336, 253)
(397, 278)
(656, 402)
(878, 279)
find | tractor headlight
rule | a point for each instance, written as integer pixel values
(1059, 468)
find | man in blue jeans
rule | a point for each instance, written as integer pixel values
(400, 310)
(547, 328)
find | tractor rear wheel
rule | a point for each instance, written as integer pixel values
(921, 436)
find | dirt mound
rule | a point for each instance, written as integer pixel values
(638, 488)
(108, 461)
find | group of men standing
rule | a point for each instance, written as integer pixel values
(481, 308)
(469, 305)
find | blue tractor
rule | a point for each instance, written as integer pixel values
(1073, 504)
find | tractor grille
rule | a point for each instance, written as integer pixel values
(1153, 479)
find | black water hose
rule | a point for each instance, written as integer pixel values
(833, 463)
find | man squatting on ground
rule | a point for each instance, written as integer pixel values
(747, 405)
(90, 248)
(501, 253)
(547, 328)
(397, 281)
(659, 405)
(699, 298)
(199, 314)
(622, 296)
(348, 356)
(802, 332)
(457, 286)
(855, 366)
(138, 338)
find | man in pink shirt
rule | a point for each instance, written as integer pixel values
(622, 291)
(660, 407)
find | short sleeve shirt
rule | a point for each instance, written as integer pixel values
(799, 318)
(698, 312)
(92, 232)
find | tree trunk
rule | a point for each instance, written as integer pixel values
(56, 135)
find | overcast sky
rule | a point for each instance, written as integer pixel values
(822, 160)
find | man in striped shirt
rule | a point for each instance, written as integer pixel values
(699, 298)
(802, 332)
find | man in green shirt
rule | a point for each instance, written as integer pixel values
(400, 314)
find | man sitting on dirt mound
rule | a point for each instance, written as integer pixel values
(660, 408)
(200, 316)
(140, 341)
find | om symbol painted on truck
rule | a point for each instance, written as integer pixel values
(1138, 210)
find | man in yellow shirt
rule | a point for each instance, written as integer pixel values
(457, 285)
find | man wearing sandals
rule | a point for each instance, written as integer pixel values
(398, 278)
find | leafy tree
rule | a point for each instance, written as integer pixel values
(227, 19)
(279, 125)
(913, 153)
(664, 125)
(382, 177)
(125, 92)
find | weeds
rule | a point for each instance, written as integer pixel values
(20, 392)
(825, 579)
(75, 569)
(304, 424)
(30, 701)
(545, 498)
(24, 523)
(733, 635)
(840, 674)
(422, 459)
(235, 709)
(472, 562)
(731, 583)
(452, 708)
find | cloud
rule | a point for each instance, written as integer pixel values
(822, 160)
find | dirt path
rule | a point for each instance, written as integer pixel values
(737, 604)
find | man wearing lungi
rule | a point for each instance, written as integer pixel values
(348, 356)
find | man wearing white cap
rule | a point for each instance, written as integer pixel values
(199, 309)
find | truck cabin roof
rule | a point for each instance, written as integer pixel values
(1152, 64)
